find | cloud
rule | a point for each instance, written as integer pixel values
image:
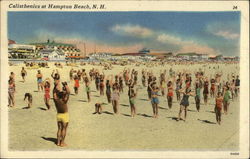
(80, 41)
(227, 34)
(165, 38)
(132, 30)
(226, 30)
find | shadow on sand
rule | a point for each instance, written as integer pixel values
(206, 121)
(143, 99)
(125, 105)
(54, 140)
(82, 100)
(26, 108)
(145, 115)
(189, 110)
(42, 108)
(106, 112)
(174, 118)
(126, 115)
(163, 108)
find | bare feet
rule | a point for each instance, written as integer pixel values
(63, 144)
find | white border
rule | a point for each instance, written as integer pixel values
(242, 6)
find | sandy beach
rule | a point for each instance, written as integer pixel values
(35, 128)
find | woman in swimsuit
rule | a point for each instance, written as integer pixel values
(47, 84)
(218, 107)
(162, 84)
(115, 98)
(132, 95)
(170, 94)
(108, 89)
(39, 80)
(226, 98)
(11, 92)
(184, 102)
(102, 85)
(87, 87)
(154, 100)
(178, 87)
(77, 85)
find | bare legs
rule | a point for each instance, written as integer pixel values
(61, 133)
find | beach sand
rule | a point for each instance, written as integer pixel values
(35, 128)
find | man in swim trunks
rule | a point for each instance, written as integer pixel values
(61, 97)
(23, 74)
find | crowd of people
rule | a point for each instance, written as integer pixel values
(169, 83)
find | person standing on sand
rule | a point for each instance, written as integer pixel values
(11, 93)
(154, 99)
(87, 87)
(55, 76)
(218, 107)
(184, 102)
(170, 94)
(23, 74)
(197, 95)
(178, 87)
(205, 91)
(46, 85)
(61, 98)
(76, 85)
(132, 95)
(39, 77)
(115, 98)
(226, 97)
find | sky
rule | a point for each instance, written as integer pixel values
(210, 33)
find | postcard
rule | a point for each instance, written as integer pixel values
(125, 79)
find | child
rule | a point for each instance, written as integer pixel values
(29, 96)
(218, 107)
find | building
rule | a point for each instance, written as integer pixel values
(22, 51)
(52, 54)
(192, 56)
(100, 56)
(70, 51)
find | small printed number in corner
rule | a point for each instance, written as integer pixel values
(234, 153)
(235, 7)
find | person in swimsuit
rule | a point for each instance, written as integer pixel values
(197, 95)
(102, 84)
(71, 74)
(178, 87)
(212, 89)
(170, 94)
(55, 76)
(23, 74)
(39, 80)
(132, 95)
(108, 88)
(47, 84)
(11, 93)
(205, 91)
(154, 100)
(98, 108)
(218, 107)
(226, 98)
(87, 87)
(29, 97)
(115, 98)
(237, 86)
(76, 85)
(61, 97)
(162, 83)
(184, 102)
